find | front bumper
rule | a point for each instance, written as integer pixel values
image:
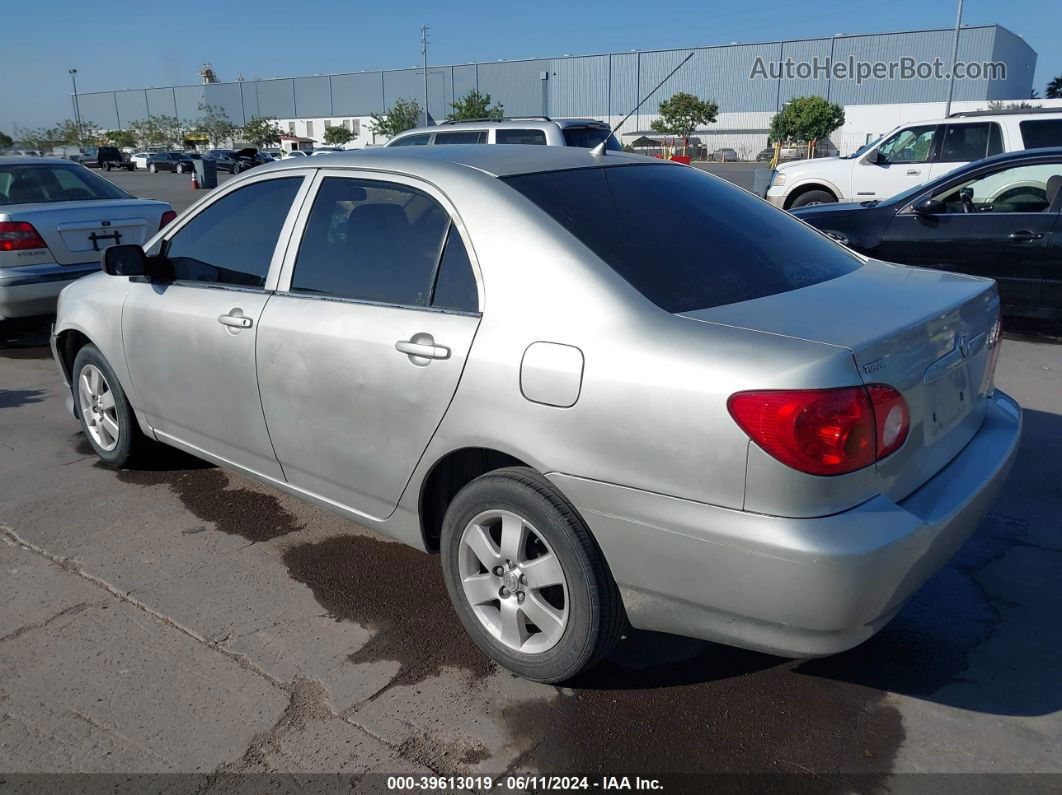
(795, 587)
(34, 289)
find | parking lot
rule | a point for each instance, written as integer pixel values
(184, 619)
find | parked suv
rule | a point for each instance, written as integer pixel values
(912, 154)
(534, 130)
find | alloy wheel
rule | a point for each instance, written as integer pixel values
(513, 581)
(96, 401)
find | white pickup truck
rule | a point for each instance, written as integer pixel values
(912, 154)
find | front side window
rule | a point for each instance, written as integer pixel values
(231, 242)
(412, 140)
(1019, 189)
(462, 137)
(912, 145)
(54, 183)
(533, 137)
(684, 239)
(370, 241)
(964, 143)
(1041, 133)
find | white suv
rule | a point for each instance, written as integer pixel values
(912, 154)
(540, 130)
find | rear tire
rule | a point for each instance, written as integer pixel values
(813, 197)
(153, 168)
(180, 168)
(107, 419)
(547, 623)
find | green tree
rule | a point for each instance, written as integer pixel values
(807, 119)
(474, 105)
(6, 141)
(262, 131)
(41, 139)
(1054, 89)
(682, 114)
(157, 131)
(337, 136)
(120, 138)
(401, 116)
(214, 125)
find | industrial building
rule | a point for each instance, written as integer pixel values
(607, 86)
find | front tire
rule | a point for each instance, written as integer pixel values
(180, 168)
(107, 419)
(813, 197)
(153, 168)
(526, 577)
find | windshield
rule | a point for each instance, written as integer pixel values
(859, 152)
(589, 137)
(684, 239)
(33, 184)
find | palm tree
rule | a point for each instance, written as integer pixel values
(1054, 88)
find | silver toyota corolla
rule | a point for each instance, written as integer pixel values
(605, 389)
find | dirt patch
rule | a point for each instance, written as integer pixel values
(396, 591)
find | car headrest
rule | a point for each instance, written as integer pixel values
(1054, 185)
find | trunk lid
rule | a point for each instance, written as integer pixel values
(923, 332)
(76, 232)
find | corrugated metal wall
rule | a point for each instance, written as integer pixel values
(599, 85)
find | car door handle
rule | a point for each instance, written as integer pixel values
(235, 321)
(426, 349)
(1024, 236)
(913, 172)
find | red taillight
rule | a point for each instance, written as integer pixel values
(167, 217)
(824, 431)
(19, 236)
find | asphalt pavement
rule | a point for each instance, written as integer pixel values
(180, 618)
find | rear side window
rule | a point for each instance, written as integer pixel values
(589, 137)
(412, 140)
(455, 285)
(533, 137)
(231, 242)
(1041, 133)
(964, 143)
(462, 137)
(370, 241)
(684, 239)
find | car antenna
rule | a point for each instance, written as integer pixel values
(599, 150)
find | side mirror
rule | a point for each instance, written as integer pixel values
(929, 207)
(125, 260)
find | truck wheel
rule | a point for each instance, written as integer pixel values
(106, 166)
(813, 197)
(526, 578)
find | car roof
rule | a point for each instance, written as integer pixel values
(981, 116)
(529, 123)
(498, 161)
(22, 160)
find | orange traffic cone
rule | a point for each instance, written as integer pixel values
(195, 181)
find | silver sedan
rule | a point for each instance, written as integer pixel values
(604, 389)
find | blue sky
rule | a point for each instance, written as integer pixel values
(119, 44)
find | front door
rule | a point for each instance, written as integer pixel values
(901, 162)
(190, 335)
(994, 225)
(359, 357)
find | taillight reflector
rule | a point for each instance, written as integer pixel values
(19, 236)
(824, 431)
(167, 217)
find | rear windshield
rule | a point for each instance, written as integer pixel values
(54, 183)
(683, 239)
(1041, 133)
(589, 137)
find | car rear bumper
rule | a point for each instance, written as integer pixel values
(795, 587)
(34, 289)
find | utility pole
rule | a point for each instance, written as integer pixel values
(424, 56)
(954, 60)
(77, 109)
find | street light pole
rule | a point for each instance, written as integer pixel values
(77, 109)
(954, 60)
(424, 56)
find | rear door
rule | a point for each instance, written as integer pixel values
(995, 225)
(190, 335)
(361, 350)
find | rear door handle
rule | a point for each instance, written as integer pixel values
(422, 347)
(235, 321)
(1024, 236)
